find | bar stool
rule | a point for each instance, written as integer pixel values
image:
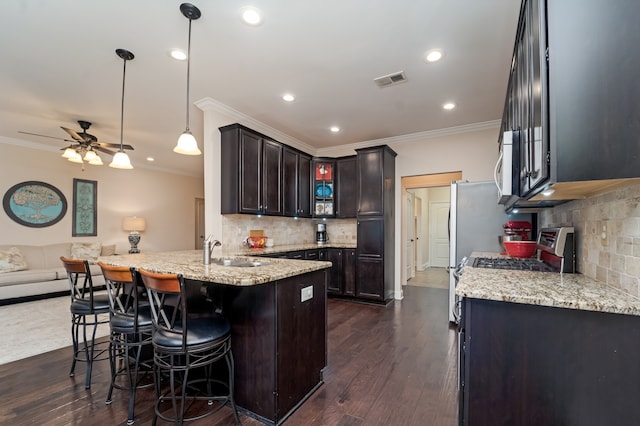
(86, 307)
(183, 343)
(131, 329)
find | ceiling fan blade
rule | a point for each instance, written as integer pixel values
(114, 145)
(73, 134)
(45, 136)
(106, 151)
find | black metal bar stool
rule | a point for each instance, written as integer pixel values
(86, 307)
(131, 329)
(182, 344)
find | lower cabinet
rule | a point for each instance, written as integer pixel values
(536, 365)
(342, 275)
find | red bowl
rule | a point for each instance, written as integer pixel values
(520, 248)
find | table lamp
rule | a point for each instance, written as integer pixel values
(134, 225)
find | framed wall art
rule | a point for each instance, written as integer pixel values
(35, 204)
(85, 208)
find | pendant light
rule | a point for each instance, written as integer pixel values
(121, 159)
(187, 144)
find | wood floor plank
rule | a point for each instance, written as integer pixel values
(393, 365)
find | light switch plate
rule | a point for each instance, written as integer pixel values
(306, 294)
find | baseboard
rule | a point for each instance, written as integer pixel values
(34, 297)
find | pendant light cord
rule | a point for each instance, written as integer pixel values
(188, 72)
(124, 72)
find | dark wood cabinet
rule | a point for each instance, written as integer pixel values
(346, 187)
(575, 117)
(279, 342)
(251, 172)
(375, 224)
(296, 183)
(537, 365)
(334, 285)
(349, 272)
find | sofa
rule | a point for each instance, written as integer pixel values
(32, 272)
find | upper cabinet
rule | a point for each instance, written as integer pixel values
(346, 187)
(296, 183)
(324, 187)
(572, 99)
(375, 177)
(251, 172)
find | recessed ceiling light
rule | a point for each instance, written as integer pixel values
(334, 129)
(251, 15)
(178, 54)
(150, 159)
(449, 106)
(288, 97)
(433, 55)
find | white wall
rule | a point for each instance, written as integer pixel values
(166, 201)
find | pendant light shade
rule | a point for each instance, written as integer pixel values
(121, 159)
(187, 144)
(69, 153)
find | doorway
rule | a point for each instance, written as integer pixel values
(429, 248)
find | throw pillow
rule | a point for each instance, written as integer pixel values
(12, 260)
(86, 251)
(109, 250)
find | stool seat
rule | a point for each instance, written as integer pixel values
(126, 323)
(200, 331)
(84, 307)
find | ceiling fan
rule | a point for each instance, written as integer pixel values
(83, 144)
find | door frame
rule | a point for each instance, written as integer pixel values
(414, 182)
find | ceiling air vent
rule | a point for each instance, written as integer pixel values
(391, 79)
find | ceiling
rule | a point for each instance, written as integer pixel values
(59, 66)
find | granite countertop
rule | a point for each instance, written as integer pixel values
(190, 264)
(246, 251)
(572, 291)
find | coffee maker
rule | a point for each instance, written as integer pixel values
(321, 233)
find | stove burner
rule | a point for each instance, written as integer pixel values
(513, 264)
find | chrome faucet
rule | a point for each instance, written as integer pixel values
(209, 245)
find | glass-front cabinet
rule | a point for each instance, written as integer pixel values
(323, 188)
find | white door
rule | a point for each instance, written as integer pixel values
(418, 232)
(410, 222)
(438, 233)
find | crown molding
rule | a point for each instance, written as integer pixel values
(210, 104)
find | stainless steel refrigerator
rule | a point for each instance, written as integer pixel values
(475, 222)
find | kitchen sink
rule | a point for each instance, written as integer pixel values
(239, 263)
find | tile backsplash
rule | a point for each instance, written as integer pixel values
(607, 233)
(284, 230)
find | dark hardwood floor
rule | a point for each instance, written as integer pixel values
(387, 366)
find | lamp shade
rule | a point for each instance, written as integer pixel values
(187, 145)
(134, 224)
(121, 161)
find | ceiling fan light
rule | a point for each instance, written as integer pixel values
(75, 158)
(89, 156)
(121, 161)
(97, 161)
(187, 144)
(69, 153)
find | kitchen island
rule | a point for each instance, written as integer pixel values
(278, 313)
(542, 348)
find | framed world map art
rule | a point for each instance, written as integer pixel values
(85, 200)
(34, 204)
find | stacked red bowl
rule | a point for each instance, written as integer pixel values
(520, 248)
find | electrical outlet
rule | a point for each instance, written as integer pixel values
(306, 294)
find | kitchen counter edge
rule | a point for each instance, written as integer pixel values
(190, 264)
(572, 291)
